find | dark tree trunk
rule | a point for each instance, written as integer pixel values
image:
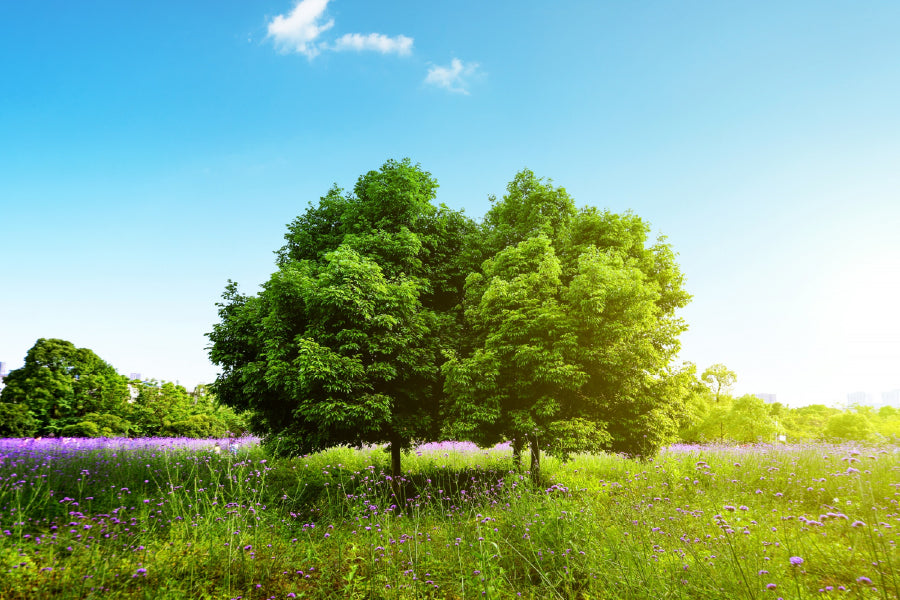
(535, 459)
(395, 459)
(517, 445)
(396, 473)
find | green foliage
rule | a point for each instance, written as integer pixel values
(522, 364)
(109, 425)
(195, 426)
(573, 318)
(157, 405)
(167, 409)
(81, 429)
(343, 344)
(848, 426)
(712, 414)
(576, 436)
(531, 207)
(69, 391)
(719, 379)
(749, 420)
(807, 422)
(60, 384)
(697, 405)
(16, 421)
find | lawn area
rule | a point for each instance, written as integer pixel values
(175, 518)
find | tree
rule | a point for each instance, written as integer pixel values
(519, 379)
(571, 321)
(719, 378)
(60, 384)
(749, 420)
(699, 405)
(808, 422)
(159, 404)
(343, 344)
(848, 426)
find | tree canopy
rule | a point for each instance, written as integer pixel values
(391, 319)
(343, 344)
(573, 329)
(60, 383)
(68, 391)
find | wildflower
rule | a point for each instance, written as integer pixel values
(796, 560)
(771, 586)
(863, 580)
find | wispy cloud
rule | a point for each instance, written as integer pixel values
(298, 30)
(375, 41)
(454, 78)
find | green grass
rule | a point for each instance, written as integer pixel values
(701, 522)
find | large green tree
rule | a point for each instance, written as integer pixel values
(343, 344)
(572, 328)
(59, 384)
(520, 378)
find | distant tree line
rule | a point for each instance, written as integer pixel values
(71, 392)
(712, 414)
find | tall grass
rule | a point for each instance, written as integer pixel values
(178, 519)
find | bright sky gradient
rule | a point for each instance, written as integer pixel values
(151, 151)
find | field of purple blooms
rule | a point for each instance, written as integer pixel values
(178, 518)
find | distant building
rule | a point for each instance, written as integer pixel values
(3, 372)
(891, 398)
(860, 398)
(767, 398)
(134, 376)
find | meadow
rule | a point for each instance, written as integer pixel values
(178, 518)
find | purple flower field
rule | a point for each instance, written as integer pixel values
(185, 518)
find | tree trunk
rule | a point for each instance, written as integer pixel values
(396, 485)
(535, 459)
(517, 445)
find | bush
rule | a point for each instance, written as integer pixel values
(109, 425)
(195, 426)
(576, 436)
(848, 426)
(81, 429)
(16, 420)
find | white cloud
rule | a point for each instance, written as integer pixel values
(454, 78)
(375, 41)
(299, 30)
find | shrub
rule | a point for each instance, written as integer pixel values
(16, 420)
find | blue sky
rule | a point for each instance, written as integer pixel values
(149, 152)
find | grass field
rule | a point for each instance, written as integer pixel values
(188, 519)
